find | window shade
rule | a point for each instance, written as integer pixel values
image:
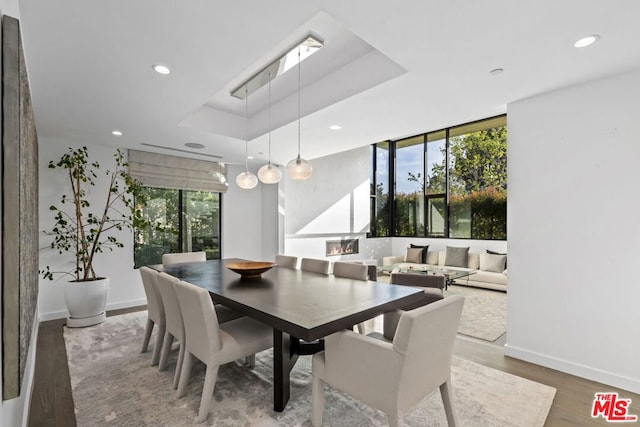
(163, 171)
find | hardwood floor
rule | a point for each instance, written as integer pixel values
(52, 404)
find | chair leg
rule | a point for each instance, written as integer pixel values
(156, 350)
(447, 399)
(185, 373)
(250, 361)
(361, 329)
(147, 335)
(317, 401)
(207, 393)
(176, 376)
(166, 349)
(395, 420)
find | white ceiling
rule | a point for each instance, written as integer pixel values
(389, 68)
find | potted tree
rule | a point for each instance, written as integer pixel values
(87, 233)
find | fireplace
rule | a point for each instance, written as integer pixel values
(341, 247)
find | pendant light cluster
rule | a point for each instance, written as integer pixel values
(246, 180)
(299, 169)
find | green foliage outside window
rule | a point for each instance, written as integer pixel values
(477, 187)
(188, 221)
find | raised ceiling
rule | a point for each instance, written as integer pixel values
(388, 69)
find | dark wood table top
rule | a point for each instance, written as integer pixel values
(306, 305)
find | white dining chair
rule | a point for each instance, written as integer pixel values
(155, 310)
(433, 291)
(286, 261)
(392, 377)
(312, 265)
(182, 257)
(224, 313)
(212, 343)
(350, 270)
(174, 329)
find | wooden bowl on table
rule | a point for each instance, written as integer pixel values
(250, 269)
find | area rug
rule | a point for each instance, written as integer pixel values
(484, 314)
(113, 384)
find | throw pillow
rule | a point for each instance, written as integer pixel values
(498, 253)
(424, 252)
(495, 263)
(414, 255)
(456, 257)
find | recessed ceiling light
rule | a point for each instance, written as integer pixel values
(335, 127)
(194, 145)
(496, 71)
(250, 157)
(161, 69)
(116, 132)
(586, 41)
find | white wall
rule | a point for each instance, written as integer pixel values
(331, 205)
(574, 234)
(249, 220)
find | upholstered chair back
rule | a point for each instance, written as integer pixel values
(201, 327)
(177, 258)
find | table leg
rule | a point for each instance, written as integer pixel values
(285, 355)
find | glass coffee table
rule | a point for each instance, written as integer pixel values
(449, 274)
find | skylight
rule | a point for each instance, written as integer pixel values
(281, 65)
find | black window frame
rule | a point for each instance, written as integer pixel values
(392, 226)
(181, 223)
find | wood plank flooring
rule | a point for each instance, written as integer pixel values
(52, 403)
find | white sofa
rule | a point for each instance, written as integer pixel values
(481, 278)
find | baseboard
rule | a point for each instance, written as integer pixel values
(583, 371)
(54, 315)
(30, 373)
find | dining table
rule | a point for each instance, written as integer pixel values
(301, 307)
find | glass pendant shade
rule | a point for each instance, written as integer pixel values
(246, 180)
(269, 174)
(299, 169)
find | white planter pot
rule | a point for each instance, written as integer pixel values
(86, 302)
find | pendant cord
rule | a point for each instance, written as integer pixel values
(246, 128)
(269, 117)
(299, 101)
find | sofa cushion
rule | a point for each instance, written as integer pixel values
(432, 257)
(456, 256)
(489, 251)
(473, 261)
(482, 276)
(494, 263)
(414, 255)
(425, 249)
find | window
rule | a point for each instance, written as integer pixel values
(436, 193)
(447, 183)
(380, 200)
(184, 221)
(478, 180)
(409, 187)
